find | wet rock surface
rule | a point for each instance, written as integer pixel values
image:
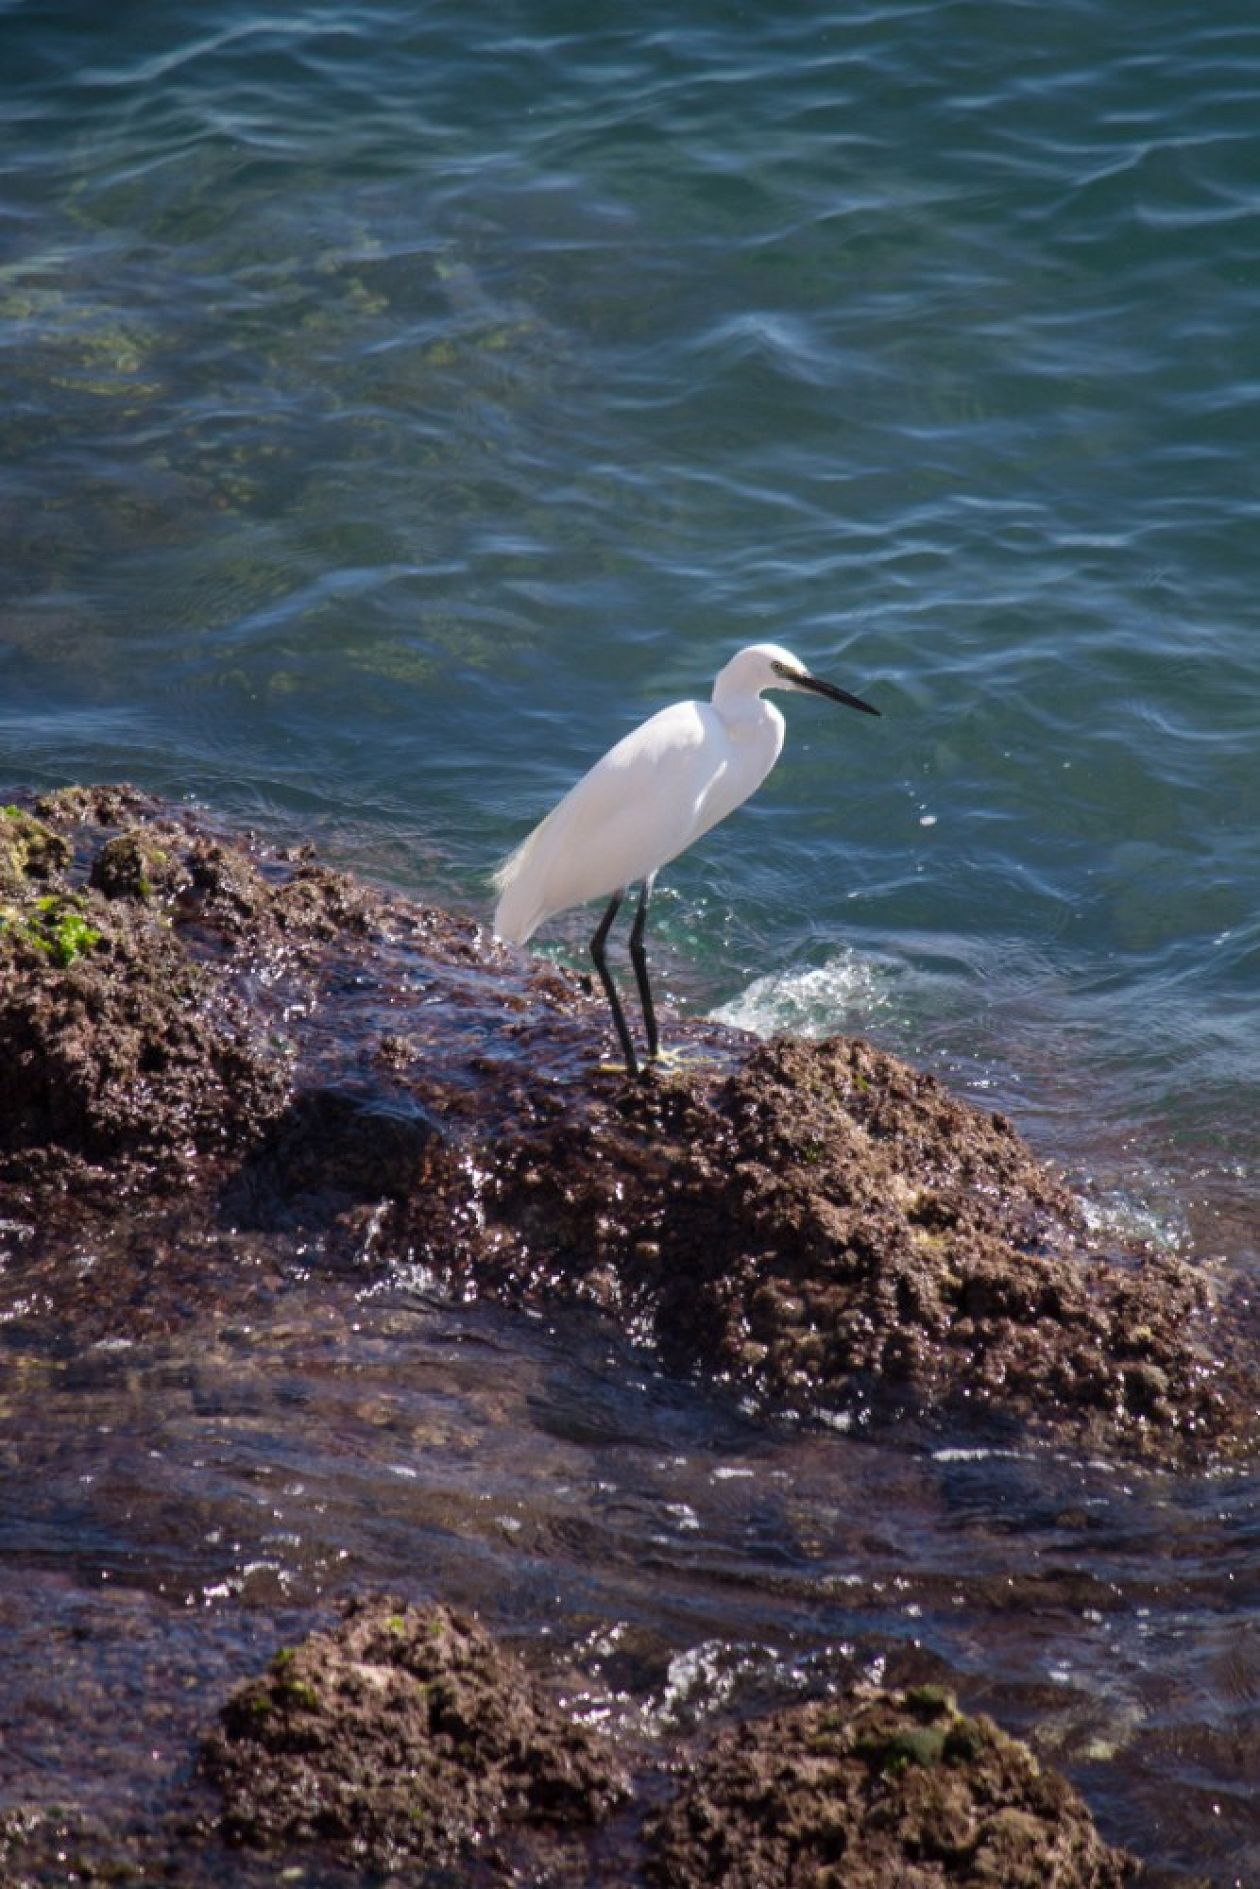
(827, 1229)
(230, 1037)
(406, 1733)
(232, 1076)
(878, 1789)
(405, 1745)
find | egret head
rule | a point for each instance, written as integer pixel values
(768, 666)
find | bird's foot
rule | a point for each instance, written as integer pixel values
(670, 1059)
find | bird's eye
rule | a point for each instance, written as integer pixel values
(780, 668)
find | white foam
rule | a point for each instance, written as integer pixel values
(1157, 1218)
(817, 1001)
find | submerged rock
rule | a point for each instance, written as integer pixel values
(877, 1789)
(46, 1846)
(404, 1733)
(253, 1045)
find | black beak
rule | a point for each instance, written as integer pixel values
(829, 689)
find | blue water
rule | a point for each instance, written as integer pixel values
(400, 402)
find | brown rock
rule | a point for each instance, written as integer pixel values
(873, 1790)
(818, 1225)
(404, 1733)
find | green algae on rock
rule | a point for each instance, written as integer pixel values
(28, 850)
(56, 926)
(138, 863)
(877, 1789)
(119, 1048)
(404, 1733)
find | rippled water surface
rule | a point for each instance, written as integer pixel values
(401, 401)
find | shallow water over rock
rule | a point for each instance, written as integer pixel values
(176, 1510)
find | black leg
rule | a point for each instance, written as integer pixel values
(638, 957)
(610, 989)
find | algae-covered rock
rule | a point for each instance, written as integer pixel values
(140, 863)
(29, 850)
(119, 1054)
(406, 1732)
(873, 1790)
(817, 1225)
(55, 926)
(825, 1227)
(406, 1739)
(105, 805)
(118, 1046)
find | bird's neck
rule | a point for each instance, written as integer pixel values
(742, 709)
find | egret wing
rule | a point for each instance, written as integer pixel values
(638, 807)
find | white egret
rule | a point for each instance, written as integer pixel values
(663, 785)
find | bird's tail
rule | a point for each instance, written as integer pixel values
(516, 916)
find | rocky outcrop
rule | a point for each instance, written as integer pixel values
(404, 1734)
(874, 1789)
(197, 1025)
